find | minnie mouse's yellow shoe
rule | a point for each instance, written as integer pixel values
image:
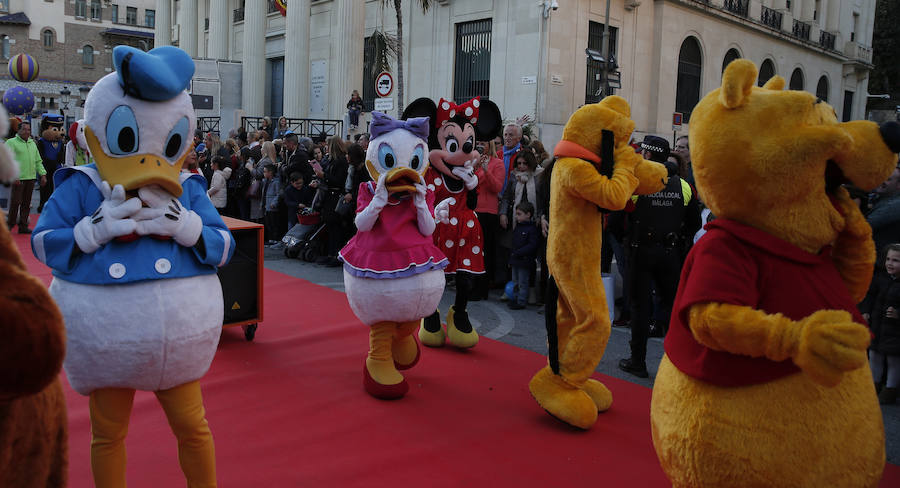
(430, 332)
(457, 322)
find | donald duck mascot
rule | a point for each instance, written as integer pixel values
(134, 244)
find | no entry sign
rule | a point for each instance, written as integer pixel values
(384, 84)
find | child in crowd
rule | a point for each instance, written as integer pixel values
(297, 196)
(882, 309)
(270, 193)
(217, 192)
(523, 253)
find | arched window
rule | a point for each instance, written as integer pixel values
(47, 37)
(766, 71)
(730, 56)
(87, 55)
(796, 80)
(687, 89)
(4, 46)
(822, 88)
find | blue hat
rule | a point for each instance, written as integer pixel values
(52, 118)
(157, 75)
(200, 148)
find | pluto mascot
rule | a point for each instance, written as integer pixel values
(393, 272)
(33, 425)
(765, 380)
(451, 140)
(595, 171)
(134, 244)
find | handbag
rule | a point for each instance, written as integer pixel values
(255, 190)
(343, 208)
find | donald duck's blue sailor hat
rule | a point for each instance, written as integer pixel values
(157, 75)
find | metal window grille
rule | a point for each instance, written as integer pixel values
(472, 71)
(368, 88)
(801, 29)
(687, 88)
(771, 17)
(766, 71)
(822, 89)
(594, 79)
(826, 40)
(739, 7)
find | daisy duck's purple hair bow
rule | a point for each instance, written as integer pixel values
(382, 124)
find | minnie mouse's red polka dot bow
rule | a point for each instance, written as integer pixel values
(446, 110)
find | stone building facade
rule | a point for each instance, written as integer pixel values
(72, 42)
(542, 58)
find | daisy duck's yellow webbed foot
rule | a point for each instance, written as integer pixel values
(405, 348)
(380, 377)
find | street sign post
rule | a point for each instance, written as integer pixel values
(384, 84)
(677, 118)
(384, 104)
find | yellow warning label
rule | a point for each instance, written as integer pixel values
(236, 306)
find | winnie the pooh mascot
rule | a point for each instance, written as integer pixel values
(764, 381)
(595, 170)
(33, 425)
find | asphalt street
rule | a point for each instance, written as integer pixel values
(525, 329)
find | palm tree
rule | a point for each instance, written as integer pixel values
(425, 5)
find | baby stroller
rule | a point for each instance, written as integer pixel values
(306, 239)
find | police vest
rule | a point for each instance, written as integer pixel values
(657, 218)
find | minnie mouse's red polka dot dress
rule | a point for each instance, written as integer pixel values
(460, 240)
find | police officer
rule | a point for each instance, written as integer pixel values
(656, 229)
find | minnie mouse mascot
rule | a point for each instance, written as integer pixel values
(452, 157)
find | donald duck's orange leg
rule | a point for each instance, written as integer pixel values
(110, 410)
(187, 417)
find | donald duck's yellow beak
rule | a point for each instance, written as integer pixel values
(136, 170)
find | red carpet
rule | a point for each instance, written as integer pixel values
(289, 410)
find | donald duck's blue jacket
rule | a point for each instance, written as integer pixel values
(147, 258)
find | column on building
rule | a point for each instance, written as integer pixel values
(351, 19)
(807, 7)
(187, 29)
(218, 29)
(833, 17)
(253, 89)
(296, 59)
(162, 32)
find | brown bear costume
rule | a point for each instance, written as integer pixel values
(33, 425)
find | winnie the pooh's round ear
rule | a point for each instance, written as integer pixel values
(737, 83)
(775, 83)
(617, 104)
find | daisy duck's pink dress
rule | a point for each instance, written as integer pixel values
(392, 272)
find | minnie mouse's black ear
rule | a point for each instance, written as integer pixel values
(490, 122)
(420, 107)
(424, 107)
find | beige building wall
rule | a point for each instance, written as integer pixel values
(538, 63)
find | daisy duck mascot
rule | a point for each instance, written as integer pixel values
(134, 244)
(392, 270)
(452, 158)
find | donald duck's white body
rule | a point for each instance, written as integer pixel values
(135, 273)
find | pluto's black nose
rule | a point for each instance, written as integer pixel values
(890, 132)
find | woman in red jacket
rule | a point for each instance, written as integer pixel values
(490, 172)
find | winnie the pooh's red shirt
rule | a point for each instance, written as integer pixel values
(740, 265)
